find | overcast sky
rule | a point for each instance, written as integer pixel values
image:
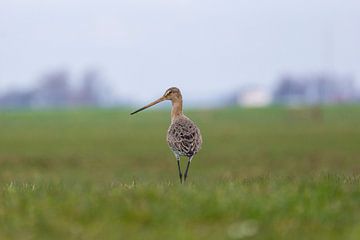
(205, 47)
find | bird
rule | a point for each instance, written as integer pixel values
(183, 136)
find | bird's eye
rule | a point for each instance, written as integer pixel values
(168, 92)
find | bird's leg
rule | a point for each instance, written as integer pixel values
(179, 168)
(187, 168)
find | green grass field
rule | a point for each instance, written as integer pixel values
(103, 174)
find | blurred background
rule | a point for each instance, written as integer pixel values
(63, 53)
(75, 165)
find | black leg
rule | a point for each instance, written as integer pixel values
(179, 168)
(187, 168)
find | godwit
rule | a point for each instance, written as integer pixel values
(183, 136)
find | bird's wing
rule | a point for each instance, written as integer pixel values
(184, 137)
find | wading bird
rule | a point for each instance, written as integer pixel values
(183, 136)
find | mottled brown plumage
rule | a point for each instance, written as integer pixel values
(183, 136)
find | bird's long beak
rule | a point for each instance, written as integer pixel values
(149, 105)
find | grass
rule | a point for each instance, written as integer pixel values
(102, 174)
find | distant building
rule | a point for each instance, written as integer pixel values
(254, 97)
(315, 89)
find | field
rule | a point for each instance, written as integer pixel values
(270, 173)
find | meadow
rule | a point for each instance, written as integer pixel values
(269, 173)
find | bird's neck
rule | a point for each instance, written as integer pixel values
(176, 110)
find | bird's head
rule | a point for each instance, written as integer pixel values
(172, 94)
